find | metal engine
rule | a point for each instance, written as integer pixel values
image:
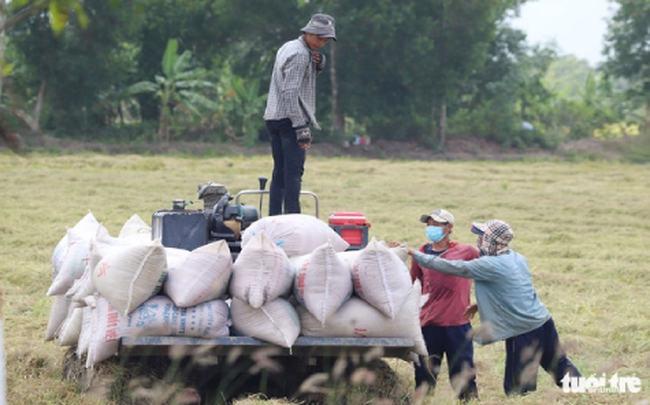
(218, 220)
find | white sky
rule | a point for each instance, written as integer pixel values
(577, 26)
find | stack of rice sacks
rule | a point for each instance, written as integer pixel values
(292, 277)
(105, 288)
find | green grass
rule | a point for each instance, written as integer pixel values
(584, 228)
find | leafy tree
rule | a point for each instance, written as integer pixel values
(506, 92)
(77, 65)
(179, 90)
(402, 64)
(58, 10)
(566, 76)
(627, 51)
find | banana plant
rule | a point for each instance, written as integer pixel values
(241, 105)
(179, 87)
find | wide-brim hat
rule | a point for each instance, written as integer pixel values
(322, 25)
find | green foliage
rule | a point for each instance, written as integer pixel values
(566, 76)
(239, 106)
(75, 67)
(179, 90)
(507, 92)
(398, 67)
(59, 12)
(626, 48)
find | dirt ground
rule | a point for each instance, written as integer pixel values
(466, 148)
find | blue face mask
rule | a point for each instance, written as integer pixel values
(435, 233)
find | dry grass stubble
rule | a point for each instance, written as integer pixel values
(582, 226)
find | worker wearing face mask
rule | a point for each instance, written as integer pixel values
(509, 308)
(443, 317)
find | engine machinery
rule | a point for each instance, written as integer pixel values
(218, 220)
(221, 219)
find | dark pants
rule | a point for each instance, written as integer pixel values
(453, 342)
(288, 167)
(526, 352)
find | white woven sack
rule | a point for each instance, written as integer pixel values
(87, 226)
(202, 276)
(85, 286)
(323, 282)
(104, 237)
(357, 318)
(58, 255)
(381, 278)
(175, 258)
(402, 251)
(104, 339)
(348, 257)
(296, 234)
(261, 273)
(135, 230)
(68, 334)
(73, 264)
(86, 331)
(80, 283)
(275, 322)
(129, 276)
(159, 316)
(58, 314)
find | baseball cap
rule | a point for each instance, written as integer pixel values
(322, 25)
(438, 215)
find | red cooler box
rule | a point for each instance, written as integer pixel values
(352, 227)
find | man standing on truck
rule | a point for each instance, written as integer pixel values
(291, 110)
(509, 308)
(445, 327)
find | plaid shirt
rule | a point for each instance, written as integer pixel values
(292, 93)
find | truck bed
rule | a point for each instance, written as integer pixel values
(303, 347)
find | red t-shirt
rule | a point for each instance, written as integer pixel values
(448, 295)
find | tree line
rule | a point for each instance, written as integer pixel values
(425, 70)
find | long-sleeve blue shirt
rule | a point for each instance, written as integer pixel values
(507, 300)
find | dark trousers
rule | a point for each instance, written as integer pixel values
(526, 352)
(288, 167)
(453, 342)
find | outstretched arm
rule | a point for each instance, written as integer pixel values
(473, 269)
